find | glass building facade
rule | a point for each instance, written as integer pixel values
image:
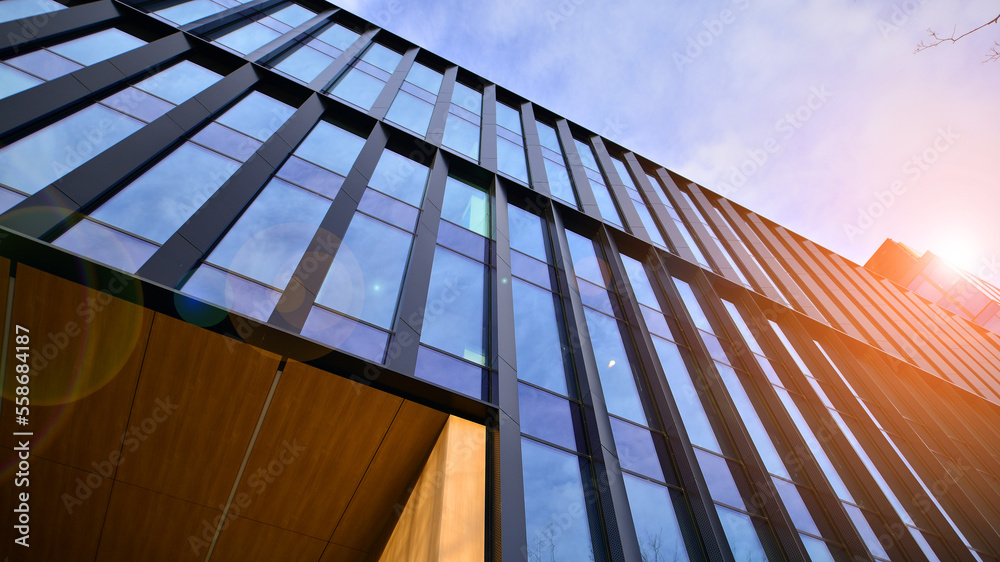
(660, 374)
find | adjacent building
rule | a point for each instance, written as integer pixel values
(283, 285)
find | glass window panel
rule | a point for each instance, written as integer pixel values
(656, 526)
(388, 209)
(367, 272)
(586, 154)
(248, 38)
(49, 154)
(752, 422)
(305, 64)
(8, 199)
(530, 269)
(650, 224)
(270, 237)
(338, 36)
(19, 9)
(346, 334)
(637, 277)
(382, 57)
(227, 141)
(359, 88)
(511, 159)
(180, 82)
(559, 182)
(586, 264)
(400, 177)
(424, 77)
(411, 112)
(692, 410)
(691, 303)
(741, 535)
(613, 366)
(106, 245)
(455, 315)
(44, 64)
(656, 322)
(311, 177)
(515, 138)
(418, 92)
(466, 206)
(542, 357)
(548, 137)
(449, 372)
(509, 118)
(623, 173)
(98, 46)
(558, 528)
(257, 115)
(606, 204)
(714, 346)
(274, 24)
(467, 98)
(748, 336)
(546, 416)
(293, 15)
(719, 477)
(462, 136)
(463, 241)
(156, 204)
(866, 531)
(595, 297)
(232, 292)
(636, 449)
(331, 147)
(818, 550)
(791, 498)
(526, 232)
(138, 104)
(188, 12)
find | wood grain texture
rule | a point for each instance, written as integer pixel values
(246, 540)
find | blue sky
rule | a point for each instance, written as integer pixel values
(817, 115)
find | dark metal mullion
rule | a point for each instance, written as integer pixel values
(193, 241)
(658, 210)
(533, 151)
(384, 100)
(698, 497)
(618, 190)
(297, 300)
(55, 206)
(28, 31)
(574, 165)
(290, 38)
(612, 497)
(488, 129)
(342, 62)
(208, 25)
(439, 118)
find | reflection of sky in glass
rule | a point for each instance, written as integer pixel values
(509, 118)
(585, 262)
(559, 183)
(232, 292)
(449, 372)
(47, 155)
(44, 64)
(190, 11)
(719, 478)
(693, 308)
(106, 245)
(13, 81)
(547, 136)
(359, 88)
(257, 115)
(367, 272)
(293, 15)
(346, 334)
(655, 523)
(424, 77)
(455, 311)
(688, 402)
(411, 112)
(751, 420)
(605, 203)
(400, 177)
(466, 206)
(269, 239)
(98, 46)
(526, 232)
(311, 176)
(817, 549)
(637, 277)
(511, 159)
(467, 98)
(8, 199)
(555, 509)
(248, 38)
(546, 416)
(636, 450)
(180, 82)
(305, 64)
(613, 366)
(462, 136)
(382, 57)
(331, 147)
(741, 535)
(338, 36)
(156, 204)
(540, 351)
(17, 9)
(796, 508)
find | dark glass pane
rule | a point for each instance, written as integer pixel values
(345, 334)
(467, 206)
(449, 372)
(636, 450)
(359, 88)
(546, 416)
(331, 147)
(98, 46)
(400, 177)
(388, 209)
(106, 245)
(613, 366)
(719, 477)
(232, 292)
(542, 357)
(656, 524)
(455, 315)
(310, 176)
(527, 232)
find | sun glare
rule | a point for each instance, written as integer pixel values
(958, 249)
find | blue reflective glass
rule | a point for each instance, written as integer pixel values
(692, 305)
(613, 366)
(530, 269)
(509, 118)
(274, 24)
(227, 141)
(293, 15)
(305, 64)
(98, 46)
(751, 420)
(331, 147)
(270, 237)
(637, 277)
(791, 499)
(586, 154)
(650, 225)
(656, 524)
(106, 245)
(467, 98)
(449, 372)
(8, 199)
(346, 334)
(741, 536)
(655, 322)
(410, 112)
(542, 357)
(367, 271)
(719, 477)
(44, 64)
(689, 403)
(455, 315)
(180, 82)
(390, 210)
(554, 504)
(232, 292)
(546, 417)
(312, 177)
(400, 177)
(49, 154)
(382, 57)
(338, 36)
(865, 530)
(526, 232)
(156, 204)
(466, 206)
(595, 297)
(463, 241)
(559, 182)
(359, 88)
(248, 38)
(13, 81)
(623, 173)
(257, 115)
(188, 12)
(818, 550)
(18, 9)
(511, 159)
(424, 77)
(636, 450)
(605, 203)
(462, 136)
(586, 264)
(138, 104)
(548, 137)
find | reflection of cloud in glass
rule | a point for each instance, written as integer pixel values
(554, 504)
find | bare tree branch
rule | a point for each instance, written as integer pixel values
(993, 55)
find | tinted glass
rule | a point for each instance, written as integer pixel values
(719, 478)
(466, 206)
(559, 182)
(751, 420)
(741, 535)
(586, 154)
(257, 115)
(400, 177)
(293, 15)
(248, 38)
(467, 98)
(180, 82)
(623, 173)
(455, 317)
(509, 118)
(305, 64)
(449, 372)
(586, 264)
(13, 81)
(655, 523)
(526, 232)
(44, 64)
(546, 416)
(542, 357)
(689, 403)
(331, 147)
(411, 112)
(17, 9)
(613, 366)
(232, 292)
(345, 334)
(637, 277)
(106, 245)
(511, 159)
(359, 88)
(98, 46)
(338, 36)
(636, 450)
(190, 11)
(462, 136)
(605, 203)
(549, 139)
(425, 78)
(382, 57)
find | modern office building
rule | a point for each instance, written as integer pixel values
(285, 286)
(966, 294)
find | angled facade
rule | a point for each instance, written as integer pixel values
(283, 285)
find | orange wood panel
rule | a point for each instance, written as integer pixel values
(337, 553)
(320, 433)
(198, 399)
(245, 540)
(148, 526)
(66, 509)
(396, 465)
(86, 349)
